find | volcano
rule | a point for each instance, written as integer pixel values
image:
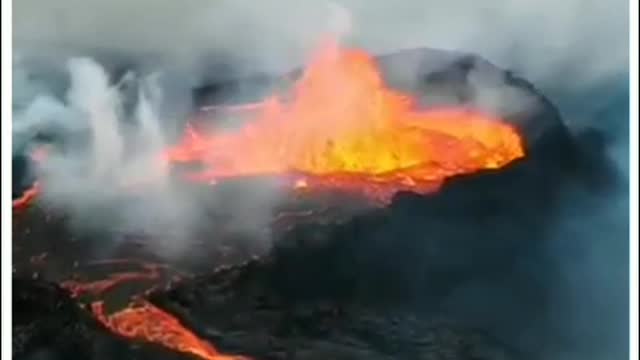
(478, 200)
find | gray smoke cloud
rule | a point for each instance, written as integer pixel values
(575, 51)
(513, 33)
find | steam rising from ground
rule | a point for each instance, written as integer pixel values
(574, 50)
(89, 175)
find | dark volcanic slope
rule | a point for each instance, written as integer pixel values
(48, 324)
(374, 287)
(325, 282)
(377, 286)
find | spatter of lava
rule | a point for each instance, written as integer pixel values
(342, 127)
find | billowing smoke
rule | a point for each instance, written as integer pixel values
(575, 51)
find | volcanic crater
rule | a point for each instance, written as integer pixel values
(369, 282)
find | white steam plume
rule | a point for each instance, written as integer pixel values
(110, 174)
(92, 95)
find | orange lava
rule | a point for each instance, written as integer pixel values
(145, 322)
(28, 196)
(98, 287)
(38, 156)
(342, 127)
(142, 320)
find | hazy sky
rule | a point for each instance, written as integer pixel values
(580, 39)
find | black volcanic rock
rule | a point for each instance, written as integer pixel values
(20, 176)
(236, 309)
(48, 324)
(42, 314)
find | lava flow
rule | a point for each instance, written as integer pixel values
(77, 288)
(26, 198)
(146, 322)
(38, 156)
(342, 127)
(141, 320)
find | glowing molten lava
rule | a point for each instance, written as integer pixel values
(77, 288)
(341, 127)
(38, 156)
(141, 320)
(26, 198)
(146, 322)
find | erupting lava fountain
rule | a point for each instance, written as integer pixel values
(342, 127)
